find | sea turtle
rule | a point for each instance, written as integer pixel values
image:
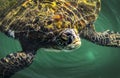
(49, 24)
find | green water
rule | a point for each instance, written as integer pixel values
(89, 61)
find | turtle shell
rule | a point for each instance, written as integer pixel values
(47, 15)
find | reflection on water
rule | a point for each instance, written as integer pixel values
(89, 61)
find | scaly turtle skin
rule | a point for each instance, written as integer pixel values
(52, 24)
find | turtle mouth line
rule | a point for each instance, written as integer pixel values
(76, 44)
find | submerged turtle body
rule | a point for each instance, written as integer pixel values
(44, 19)
(54, 24)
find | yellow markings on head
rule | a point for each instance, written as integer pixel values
(58, 20)
(27, 2)
(50, 27)
(89, 2)
(53, 4)
(67, 24)
(57, 17)
(49, 4)
(58, 24)
(68, 3)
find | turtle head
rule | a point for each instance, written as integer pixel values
(68, 39)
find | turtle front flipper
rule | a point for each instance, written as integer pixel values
(14, 62)
(106, 38)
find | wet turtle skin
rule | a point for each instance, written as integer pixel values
(52, 24)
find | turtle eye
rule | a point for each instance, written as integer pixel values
(68, 34)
